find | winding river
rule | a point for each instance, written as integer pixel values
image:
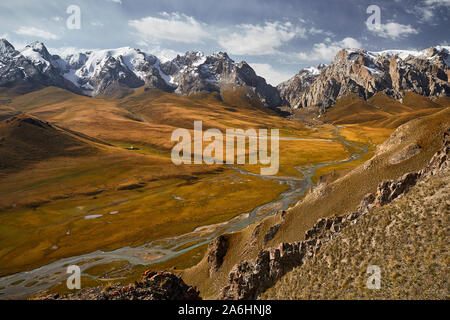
(15, 286)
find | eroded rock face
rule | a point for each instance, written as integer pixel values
(440, 160)
(365, 73)
(408, 152)
(292, 89)
(153, 286)
(248, 279)
(271, 233)
(195, 72)
(217, 250)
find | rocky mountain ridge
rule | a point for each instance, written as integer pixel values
(365, 73)
(353, 71)
(100, 72)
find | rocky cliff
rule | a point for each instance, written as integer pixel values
(365, 73)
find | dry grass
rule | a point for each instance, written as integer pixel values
(407, 239)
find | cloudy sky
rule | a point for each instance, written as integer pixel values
(277, 38)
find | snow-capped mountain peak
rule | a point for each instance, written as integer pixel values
(37, 53)
(96, 72)
(6, 47)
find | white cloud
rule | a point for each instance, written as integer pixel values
(271, 75)
(392, 30)
(35, 32)
(162, 53)
(327, 51)
(316, 31)
(116, 1)
(437, 3)
(96, 24)
(171, 26)
(426, 11)
(260, 39)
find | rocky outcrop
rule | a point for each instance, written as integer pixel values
(153, 286)
(270, 234)
(365, 73)
(217, 250)
(292, 89)
(195, 72)
(389, 190)
(440, 160)
(248, 279)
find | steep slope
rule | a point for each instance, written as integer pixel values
(292, 89)
(406, 238)
(365, 73)
(102, 71)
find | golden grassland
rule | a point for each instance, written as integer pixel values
(52, 193)
(148, 213)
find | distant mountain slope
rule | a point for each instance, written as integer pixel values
(25, 139)
(195, 72)
(105, 72)
(7, 112)
(380, 110)
(365, 73)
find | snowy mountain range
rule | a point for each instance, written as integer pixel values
(103, 71)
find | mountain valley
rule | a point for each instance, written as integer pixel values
(86, 175)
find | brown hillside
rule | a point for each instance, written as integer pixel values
(25, 139)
